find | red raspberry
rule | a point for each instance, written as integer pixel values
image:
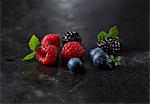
(47, 54)
(72, 49)
(51, 39)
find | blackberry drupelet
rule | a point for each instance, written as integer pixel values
(114, 46)
(104, 45)
(71, 36)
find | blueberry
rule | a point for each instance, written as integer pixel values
(74, 64)
(94, 51)
(100, 59)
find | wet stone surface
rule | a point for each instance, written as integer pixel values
(31, 82)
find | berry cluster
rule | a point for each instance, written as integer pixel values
(46, 52)
(110, 42)
(108, 49)
(100, 58)
(72, 51)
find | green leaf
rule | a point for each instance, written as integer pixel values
(119, 58)
(34, 43)
(101, 36)
(29, 56)
(113, 32)
(119, 63)
(112, 57)
(110, 60)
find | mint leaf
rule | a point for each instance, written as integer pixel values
(33, 43)
(119, 58)
(117, 61)
(112, 57)
(110, 60)
(113, 32)
(29, 56)
(101, 36)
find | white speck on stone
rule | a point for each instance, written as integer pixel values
(39, 93)
(50, 94)
(29, 96)
(53, 79)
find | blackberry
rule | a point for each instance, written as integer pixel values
(104, 45)
(114, 46)
(71, 36)
(111, 46)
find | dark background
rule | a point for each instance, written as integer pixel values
(24, 82)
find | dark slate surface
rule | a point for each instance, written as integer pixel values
(21, 82)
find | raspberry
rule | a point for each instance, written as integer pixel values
(72, 49)
(47, 54)
(51, 39)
